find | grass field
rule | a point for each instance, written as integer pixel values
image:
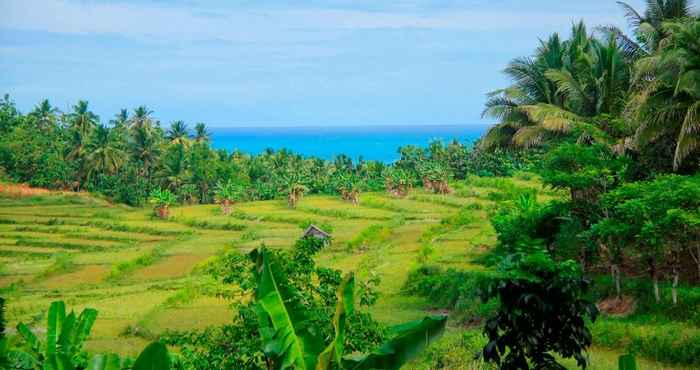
(142, 274)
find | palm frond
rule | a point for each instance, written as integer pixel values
(530, 136)
(633, 17)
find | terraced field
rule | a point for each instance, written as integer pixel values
(142, 273)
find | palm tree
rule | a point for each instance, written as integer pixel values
(44, 115)
(668, 101)
(141, 118)
(121, 119)
(647, 28)
(104, 152)
(82, 119)
(177, 134)
(201, 135)
(174, 171)
(530, 87)
(565, 88)
(143, 146)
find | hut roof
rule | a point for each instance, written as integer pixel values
(315, 231)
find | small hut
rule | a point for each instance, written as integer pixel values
(316, 232)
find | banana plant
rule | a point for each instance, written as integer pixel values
(153, 357)
(65, 336)
(290, 342)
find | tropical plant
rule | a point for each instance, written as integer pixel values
(65, 336)
(226, 193)
(105, 154)
(141, 119)
(178, 134)
(560, 92)
(162, 200)
(668, 101)
(44, 114)
(289, 342)
(201, 135)
(349, 188)
(541, 310)
(398, 182)
(154, 357)
(647, 27)
(435, 177)
(658, 220)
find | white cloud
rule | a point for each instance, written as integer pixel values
(247, 25)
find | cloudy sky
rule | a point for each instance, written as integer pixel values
(278, 63)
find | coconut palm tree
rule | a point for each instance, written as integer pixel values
(141, 118)
(44, 114)
(530, 87)
(647, 27)
(178, 134)
(174, 171)
(121, 119)
(144, 148)
(201, 135)
(564, 89)
(82, 119)
(104, 152)
(668, 101)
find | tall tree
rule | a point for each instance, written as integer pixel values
(104, 153)
(178, 134)
(647, 27)
(82, 119)
(44, 114)
(141, 118)
(668, 101)
(201, 135)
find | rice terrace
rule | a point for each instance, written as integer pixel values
(349, 185)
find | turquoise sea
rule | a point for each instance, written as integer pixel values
(369, 142)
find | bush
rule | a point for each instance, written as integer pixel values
(451, 289)
(669, 343)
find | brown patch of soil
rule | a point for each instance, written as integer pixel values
(21, 190)
(617, 306)
(90, 274)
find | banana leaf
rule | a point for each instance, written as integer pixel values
(154, 357)
(105, 362)
(57, 314)
(407, 341)
(283, 323)
(58, 361)
(343, 308)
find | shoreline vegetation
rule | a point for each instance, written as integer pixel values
(567, 237)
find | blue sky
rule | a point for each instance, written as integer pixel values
(277, 63)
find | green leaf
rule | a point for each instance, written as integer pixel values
(65, 345)
(85, 322)
(28, 336)
(344, 307)
(154, 357)
(57, 314)
(408, 340)
(627, 362)
(297, 348)
(59, 361)
(105, 362)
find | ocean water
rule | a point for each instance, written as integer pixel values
(378, 143)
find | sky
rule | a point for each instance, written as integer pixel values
(278, 63)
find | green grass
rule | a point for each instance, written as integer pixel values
(142, 273)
